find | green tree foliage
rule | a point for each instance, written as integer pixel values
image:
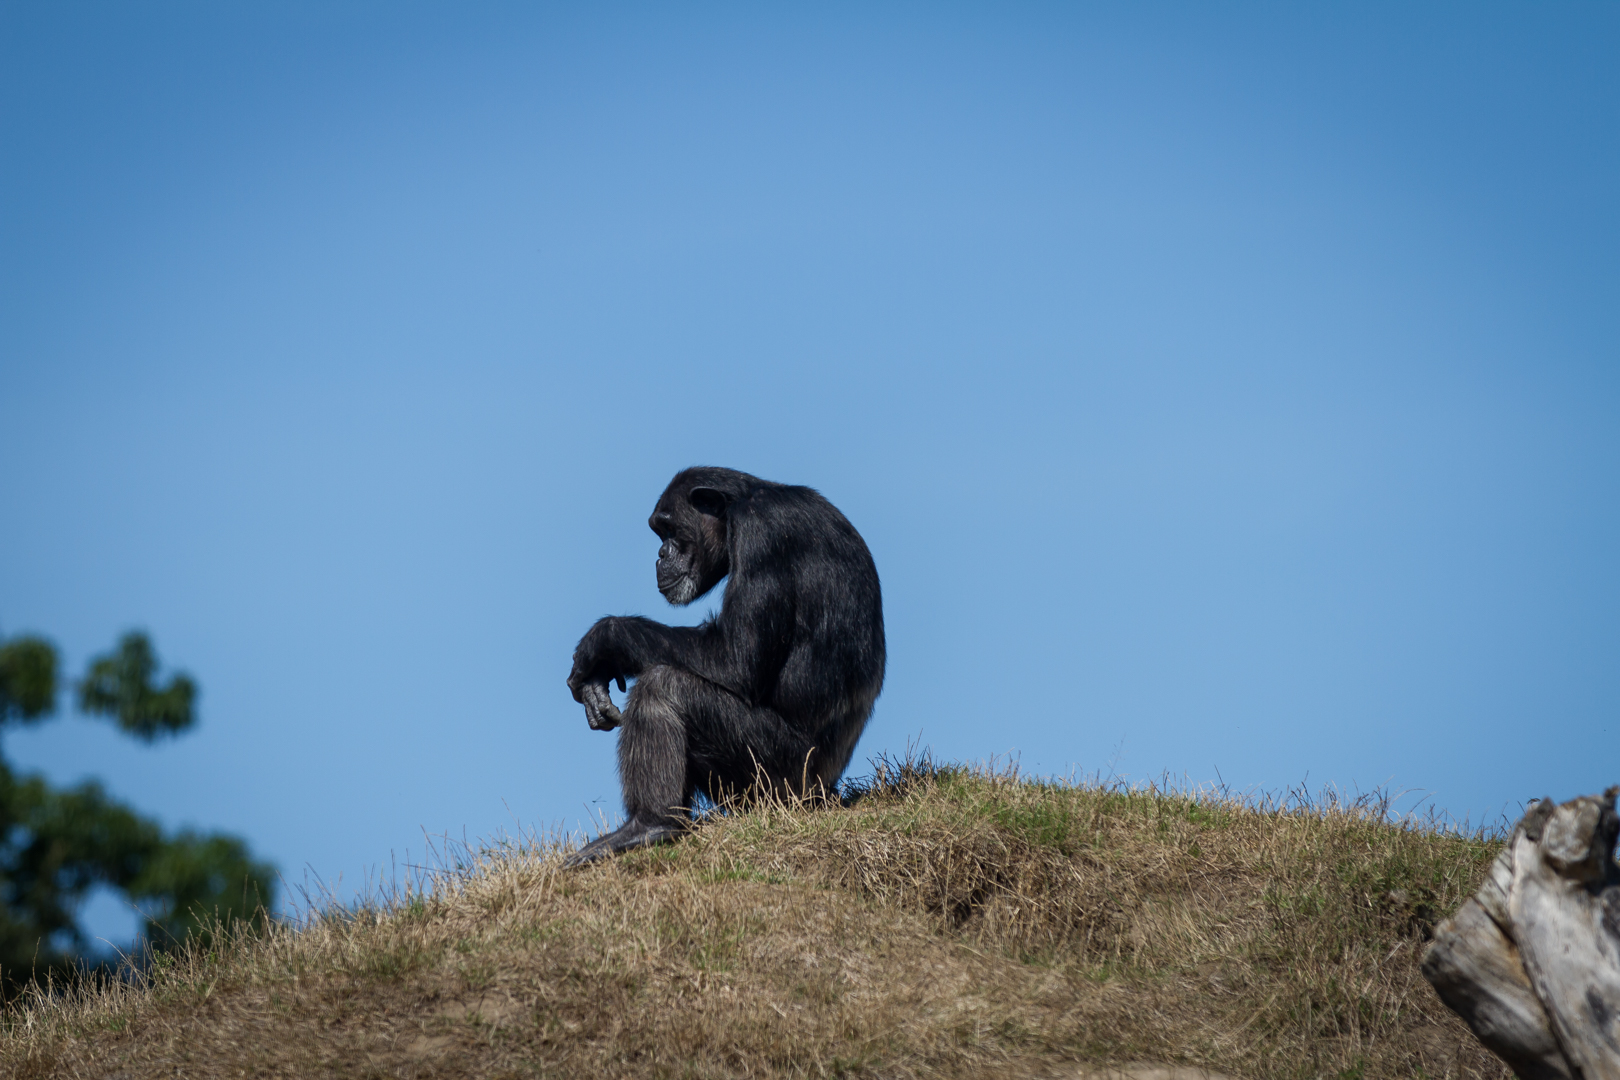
(119, 685)
(27, 680)
(57, 845)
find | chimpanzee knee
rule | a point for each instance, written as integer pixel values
(652, 747)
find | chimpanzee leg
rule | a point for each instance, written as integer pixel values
(652, 746)
(652, 767)
(733, 748)
(682, 734)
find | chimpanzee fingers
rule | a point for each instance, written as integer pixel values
(621, 684)
(602, 718)
(600, 712)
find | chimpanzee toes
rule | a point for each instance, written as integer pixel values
(632, 834)
(652, 834)
(591, 852)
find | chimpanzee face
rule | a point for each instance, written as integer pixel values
(693, 558)
(676, 577)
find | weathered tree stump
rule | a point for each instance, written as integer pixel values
(1532, 960)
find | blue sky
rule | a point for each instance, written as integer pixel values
(1222, 389)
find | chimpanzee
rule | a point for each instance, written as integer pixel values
(773, 690)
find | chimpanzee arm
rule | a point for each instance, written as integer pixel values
(624, 646)
(741, 649)
(741, 655)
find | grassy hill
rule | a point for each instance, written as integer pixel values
(952, 922)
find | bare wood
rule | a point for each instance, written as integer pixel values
(1557, 906)
(1532, 961)
(1477, 972)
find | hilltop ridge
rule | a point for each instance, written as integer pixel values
(952, 922)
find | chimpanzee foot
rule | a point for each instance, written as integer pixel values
(632, 834)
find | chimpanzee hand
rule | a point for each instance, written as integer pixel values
(589, 682)
(600, 712)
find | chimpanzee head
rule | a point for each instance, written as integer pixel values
(690, 519)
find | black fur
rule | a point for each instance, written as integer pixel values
(775, 688)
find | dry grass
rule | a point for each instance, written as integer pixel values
(954, 923)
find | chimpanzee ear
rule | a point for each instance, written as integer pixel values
(707, 500)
